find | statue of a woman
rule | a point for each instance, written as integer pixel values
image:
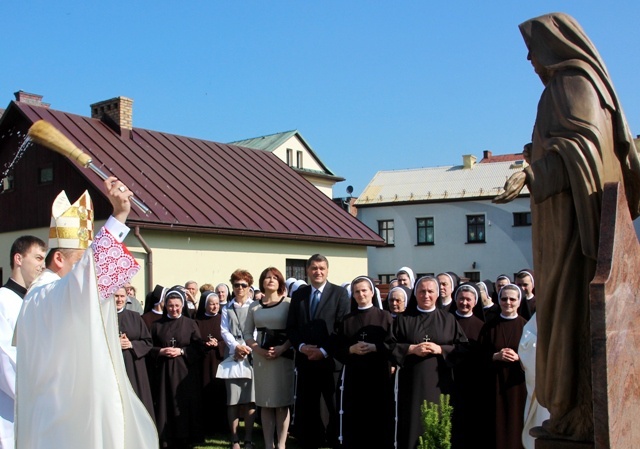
(581, 140)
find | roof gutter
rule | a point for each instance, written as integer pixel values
(314, 174)
(149, 261)
(257, 234)
(431, 201)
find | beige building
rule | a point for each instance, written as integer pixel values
(291, 148)
(176, 257)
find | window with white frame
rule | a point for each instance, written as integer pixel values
(299, 159)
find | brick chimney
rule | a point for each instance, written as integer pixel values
(119, 110)
(32, 99)
(486, 154)
(468, 160)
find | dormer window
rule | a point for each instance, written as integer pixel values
(299, 159)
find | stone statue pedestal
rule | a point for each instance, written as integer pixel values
(562, 444)
(615, 332)
(615, 327)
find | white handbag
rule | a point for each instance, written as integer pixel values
(230, 368)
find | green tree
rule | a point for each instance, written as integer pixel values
(437, 424)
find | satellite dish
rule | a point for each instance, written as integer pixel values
(349, 190)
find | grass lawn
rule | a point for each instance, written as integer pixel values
(222, 441)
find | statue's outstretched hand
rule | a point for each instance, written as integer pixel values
(512, 188)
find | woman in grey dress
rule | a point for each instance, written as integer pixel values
(272, 356)
(240, 392)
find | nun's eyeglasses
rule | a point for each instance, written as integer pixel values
(508, 299)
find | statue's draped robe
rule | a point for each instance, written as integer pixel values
(580, 142)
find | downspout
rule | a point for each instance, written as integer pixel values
(149, 262)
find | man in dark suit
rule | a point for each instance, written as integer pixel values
(314, 314)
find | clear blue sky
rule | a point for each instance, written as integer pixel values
(371, 85)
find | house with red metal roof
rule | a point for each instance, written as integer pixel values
(209, 213)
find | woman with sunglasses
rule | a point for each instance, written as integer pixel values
(240, 392)
(500, 339)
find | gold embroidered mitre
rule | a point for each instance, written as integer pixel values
(71, 225)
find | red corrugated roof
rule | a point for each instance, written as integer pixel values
(207, 186)
(502, 158)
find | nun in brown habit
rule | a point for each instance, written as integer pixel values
(499, 340)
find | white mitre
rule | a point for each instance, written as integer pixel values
(71, 225)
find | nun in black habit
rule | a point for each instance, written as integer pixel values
(154, 306)
(135, 341)
(364, 397)
(376, 300)
(472, 385)
(177, 351)
(501, 281)
(489, 309)
(214, 393)
(524, 280)
(398, 300)
(448, 283)
(424, 344)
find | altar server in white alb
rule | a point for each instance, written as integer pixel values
(72, 389)
(27, 262)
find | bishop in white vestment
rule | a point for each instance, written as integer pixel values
(72, 389)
